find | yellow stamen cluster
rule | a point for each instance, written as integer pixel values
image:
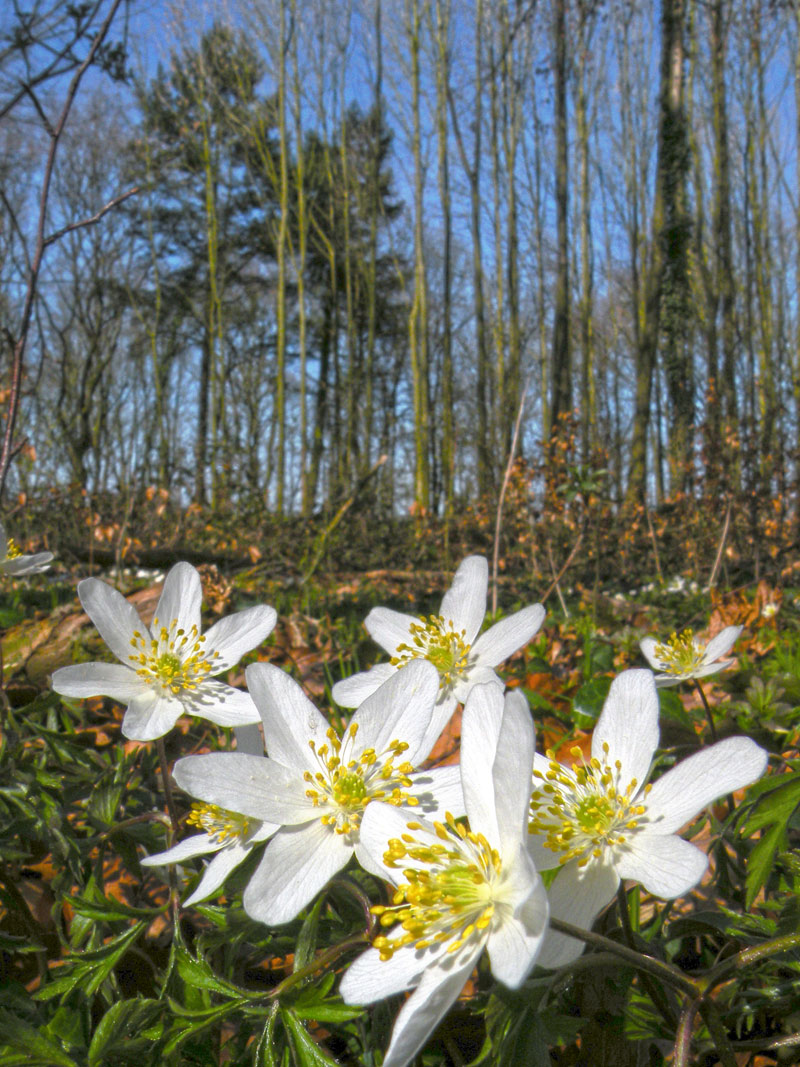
(438, 642)
(451, 901)
(680, 655)
(12, 549)
(222, 825)
(583, 812)
(172, 658)
(345, 784)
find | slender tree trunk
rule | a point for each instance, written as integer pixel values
(561, 402)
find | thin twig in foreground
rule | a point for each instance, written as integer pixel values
(503, 487)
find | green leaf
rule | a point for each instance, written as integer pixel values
(21, 1044)
(771, 815)
(588, 702)
(197, 973)
(266, 1050)
(124, 1024)
(308, 1052)
(671, 707)
(88, 970)
(307, 938)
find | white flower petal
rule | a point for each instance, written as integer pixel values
(369, 978)
(722, 643)
(296, 865)
(511, 772)
(196, 845)
(389, 628)
(150, 716)
(220, 703)
(180, 598)
(99, 679)
(400, 710)
(480, 730)
(464, 603)
(353, 691)
(648, 647)
(664, 681)
(290, 719)
(476, 675)
(229, 639)
(667, 866)
(251, 785)
(438, 989)
(438, 791)
(379, 823)
(249, 739)
(697, 781)
(34, 564)
(116, 620)
(711, 668)
(440, 717)
(508, 635)
(577, 896)
(218, 870)
(514, 944)
(629, 725)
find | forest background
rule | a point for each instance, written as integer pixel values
(351, 244)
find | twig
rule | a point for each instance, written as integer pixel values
(713, 577)
(503, 487)
(683, 1036)
(655, 546)
(557, 577)
(95, 218)
(33, 274)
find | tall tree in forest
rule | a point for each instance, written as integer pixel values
(676, 312)
(193, 118)
(561, 376)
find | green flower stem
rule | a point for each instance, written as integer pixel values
(709, 716)
(719, 1035)
(652, 988)
(658, 968)
(321, 961)
(683, 1036)
(725, 970)
(166, 778)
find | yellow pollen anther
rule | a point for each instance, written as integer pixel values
(171, 658)
(437, 641)
(219, 823)
(12, 549)
(680, 655)
(581, 815)
(446, 901)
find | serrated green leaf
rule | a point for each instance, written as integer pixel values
(308, 1052)
(265, 1055)
(197, 973)
(34, 1049)
(119, 1024)
(770, 814)
(307, 938)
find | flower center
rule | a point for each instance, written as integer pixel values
(438, 642)
(680, 655)
(221, 825)
(451, 900)
(584, 811)
(346, 783)
(170, 658)
(13, 549)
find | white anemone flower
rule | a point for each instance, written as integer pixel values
(457, 890)
(13, 562)
(683, 656)
(600, 822)
(227, 833)
(167, 669)
(448, 640)
(316, 785)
